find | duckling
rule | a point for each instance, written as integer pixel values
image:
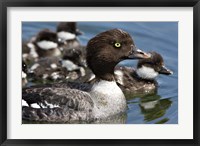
(142, 79)
(67, 33)
(70, 67)
(44, 44)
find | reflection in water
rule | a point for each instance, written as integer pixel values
(153, 107)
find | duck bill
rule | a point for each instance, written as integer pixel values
(78, 32)
(165, 71)
(82, 63)
(139, 54)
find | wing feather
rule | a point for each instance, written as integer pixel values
(57, 105)
(58, 97)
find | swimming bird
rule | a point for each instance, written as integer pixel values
(71, 66)
(143, 78)
(44, 44)
(103, 99)
(67, 33)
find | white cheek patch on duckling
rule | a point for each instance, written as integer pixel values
(69, 65)
(35, 66)
(119, 74)
(23, 75)
(46, 45)
(146, 72)
(66, 35)
(44, 76)
(53, 66)
(55, 75)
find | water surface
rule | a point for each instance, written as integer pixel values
(162, 37)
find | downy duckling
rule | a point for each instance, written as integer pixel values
(143, 78)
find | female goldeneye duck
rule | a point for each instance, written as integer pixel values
(142, 79)
(67, 33)
(104, 99)
(71, 66)
(24, 74)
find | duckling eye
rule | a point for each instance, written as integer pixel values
(117, 45)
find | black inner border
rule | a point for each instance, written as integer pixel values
(4, 4)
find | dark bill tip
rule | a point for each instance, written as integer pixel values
(165, 71)
(82, 63)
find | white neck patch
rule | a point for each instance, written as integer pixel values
(66, 35)
(69, 65)
(46, 45)
(108, 88)
(146, 72)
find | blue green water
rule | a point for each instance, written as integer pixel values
(161, 37)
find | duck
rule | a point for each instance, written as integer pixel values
(44, 44)
(143, 78)
(103, 99)
(71, 66)
(67, 33)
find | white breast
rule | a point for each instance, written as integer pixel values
(108, 98)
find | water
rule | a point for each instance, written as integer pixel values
(162, 37)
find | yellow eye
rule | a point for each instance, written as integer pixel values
(117, 45)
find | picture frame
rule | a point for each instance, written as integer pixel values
(99, 3)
